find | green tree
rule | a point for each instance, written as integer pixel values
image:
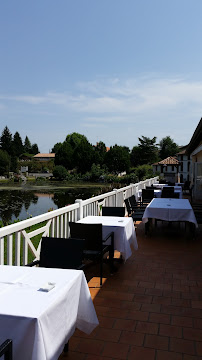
(6, 141)
(117, 159)
(99, 153)
(56, 147)
(144, 172)
(135, 156)
(59, 172)
(34, 149)
(83, 156)
(75, 153)
(18, 147)
(4, 162)
(167, 147)
(147, 152)
(27, 145)
(63, 156)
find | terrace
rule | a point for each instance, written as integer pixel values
(151, 308)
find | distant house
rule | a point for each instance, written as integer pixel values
(194, 151)
(168, 168)
(44, 157)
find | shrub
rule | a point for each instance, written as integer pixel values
(60, 173)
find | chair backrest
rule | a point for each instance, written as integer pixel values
(64, 253)
(151, 187)
(6, 349)
(128, 206)
(132, 200)
(92, 233)
(113, 211)
(167, 192)
(147, 194)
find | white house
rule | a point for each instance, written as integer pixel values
(168, 168)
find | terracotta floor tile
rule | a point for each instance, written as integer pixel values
(125, 324)
(108, 334)
(117, 351)
(91, 346)
(168, 355)
(182, 321)
(132, 338)
(156, 342)
(182, 346)
(147, 327)
(170, 330)
(141, 353)
(159, 318)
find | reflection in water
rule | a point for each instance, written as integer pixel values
(22, 204)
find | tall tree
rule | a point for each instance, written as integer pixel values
(117, 159)
(27, 145)
(4, 162)
(6, 141)
(18, 147)
(147, 151)
(167, 147)
(34, 149)
(63, 156)
(99, 153)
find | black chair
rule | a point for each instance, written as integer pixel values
(197, 208)
(136, 205)
(64, 253)
(147, 195)
(136, 212)
(6, 349)
(168, 192)
(95, 246)
(113, 211)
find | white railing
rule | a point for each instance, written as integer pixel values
(18, 241)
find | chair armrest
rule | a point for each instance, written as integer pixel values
(111, 234)
(6, 349)
(81, 267)
(33, 263)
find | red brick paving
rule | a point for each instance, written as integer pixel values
(151, 308)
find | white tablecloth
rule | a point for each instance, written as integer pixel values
(40, 323)
(179, 184)
(159, 186)
(123, 228)
(170, 210)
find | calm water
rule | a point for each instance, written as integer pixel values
(22, 203)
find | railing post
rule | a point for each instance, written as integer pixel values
(80, 209)
(116, 197)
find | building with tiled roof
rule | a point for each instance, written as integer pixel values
(169, 169)
(44, 157)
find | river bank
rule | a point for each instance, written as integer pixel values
(21, 201)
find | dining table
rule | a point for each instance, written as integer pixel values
(123, 228)
(170, 210)
(40, 308)
(158, 192)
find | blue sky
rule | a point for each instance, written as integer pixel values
(112, 70)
